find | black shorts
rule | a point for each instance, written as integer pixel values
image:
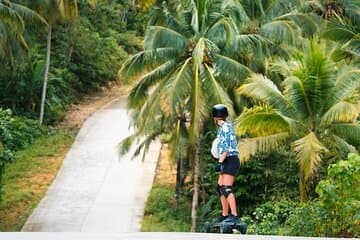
(231, 165)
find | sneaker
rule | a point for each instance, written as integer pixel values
(220, 219)
(232, 218)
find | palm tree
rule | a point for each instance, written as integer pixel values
(12, 26)
(181, 72)
(13, 46)
(345, 33)
(329, 9)
(343, 26)
(267, 28)
(316, 110)
(53, 11)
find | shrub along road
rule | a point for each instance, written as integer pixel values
(94, 190)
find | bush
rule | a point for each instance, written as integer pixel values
(269, 218)
(339, 196)
(15, 134)
(337, 212)
(95, 59)
(160, 214)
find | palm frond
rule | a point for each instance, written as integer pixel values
(343, 111)
(342, 145)
(339, 31)
(221, 32)
(211, 13)
(142, 88)
(236, 12)
(308, 151)
(263, 89)
(215, 92)
(261, 121)
(318, 78)
(178, 86)
(23, 12)
(249, 41)
(348, 131)
(249, 147)
(163, 37)
(145, 61)
(352, 10)
(347, 83)
(280, 31)
(195, 18)
(143, 146)
(257, 45)
(352, 47)
(230, 72)
(294, 93)
(163, 17)
(277, 8)
(306, 22)
(125, 145)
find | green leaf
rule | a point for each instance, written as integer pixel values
(162, 37)
(263, 89)
(348, 131)
(261, 121)
(308, 152)
(280, 31)
(341, 112)
(249, 147)
(230, 72)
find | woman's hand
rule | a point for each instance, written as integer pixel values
(219, 167)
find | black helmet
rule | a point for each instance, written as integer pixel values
(219, 110)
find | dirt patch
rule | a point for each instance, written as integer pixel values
(79, 112)
(166, 168)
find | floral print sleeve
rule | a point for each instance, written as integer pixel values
(227, 140)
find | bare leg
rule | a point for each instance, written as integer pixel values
(228, 180)
(232, 204)
(224, 201)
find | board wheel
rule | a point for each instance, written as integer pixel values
(242, 228)
(225, 228)
(207, 227)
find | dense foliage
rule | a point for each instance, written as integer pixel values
(86, 54)
(334, 213)
(297, 113)
(15, 133)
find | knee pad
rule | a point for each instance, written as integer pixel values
(218, 190)
(225, 190)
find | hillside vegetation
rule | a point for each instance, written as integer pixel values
(289, 72)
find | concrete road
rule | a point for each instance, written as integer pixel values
(94, 190)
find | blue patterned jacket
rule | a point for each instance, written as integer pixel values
(227, 140)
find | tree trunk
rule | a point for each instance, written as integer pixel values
(303, 188)
(178, 187)
(195, 199)
(47, 65)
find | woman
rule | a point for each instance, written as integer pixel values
(228, 163)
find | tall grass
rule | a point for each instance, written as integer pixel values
(161, 214)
